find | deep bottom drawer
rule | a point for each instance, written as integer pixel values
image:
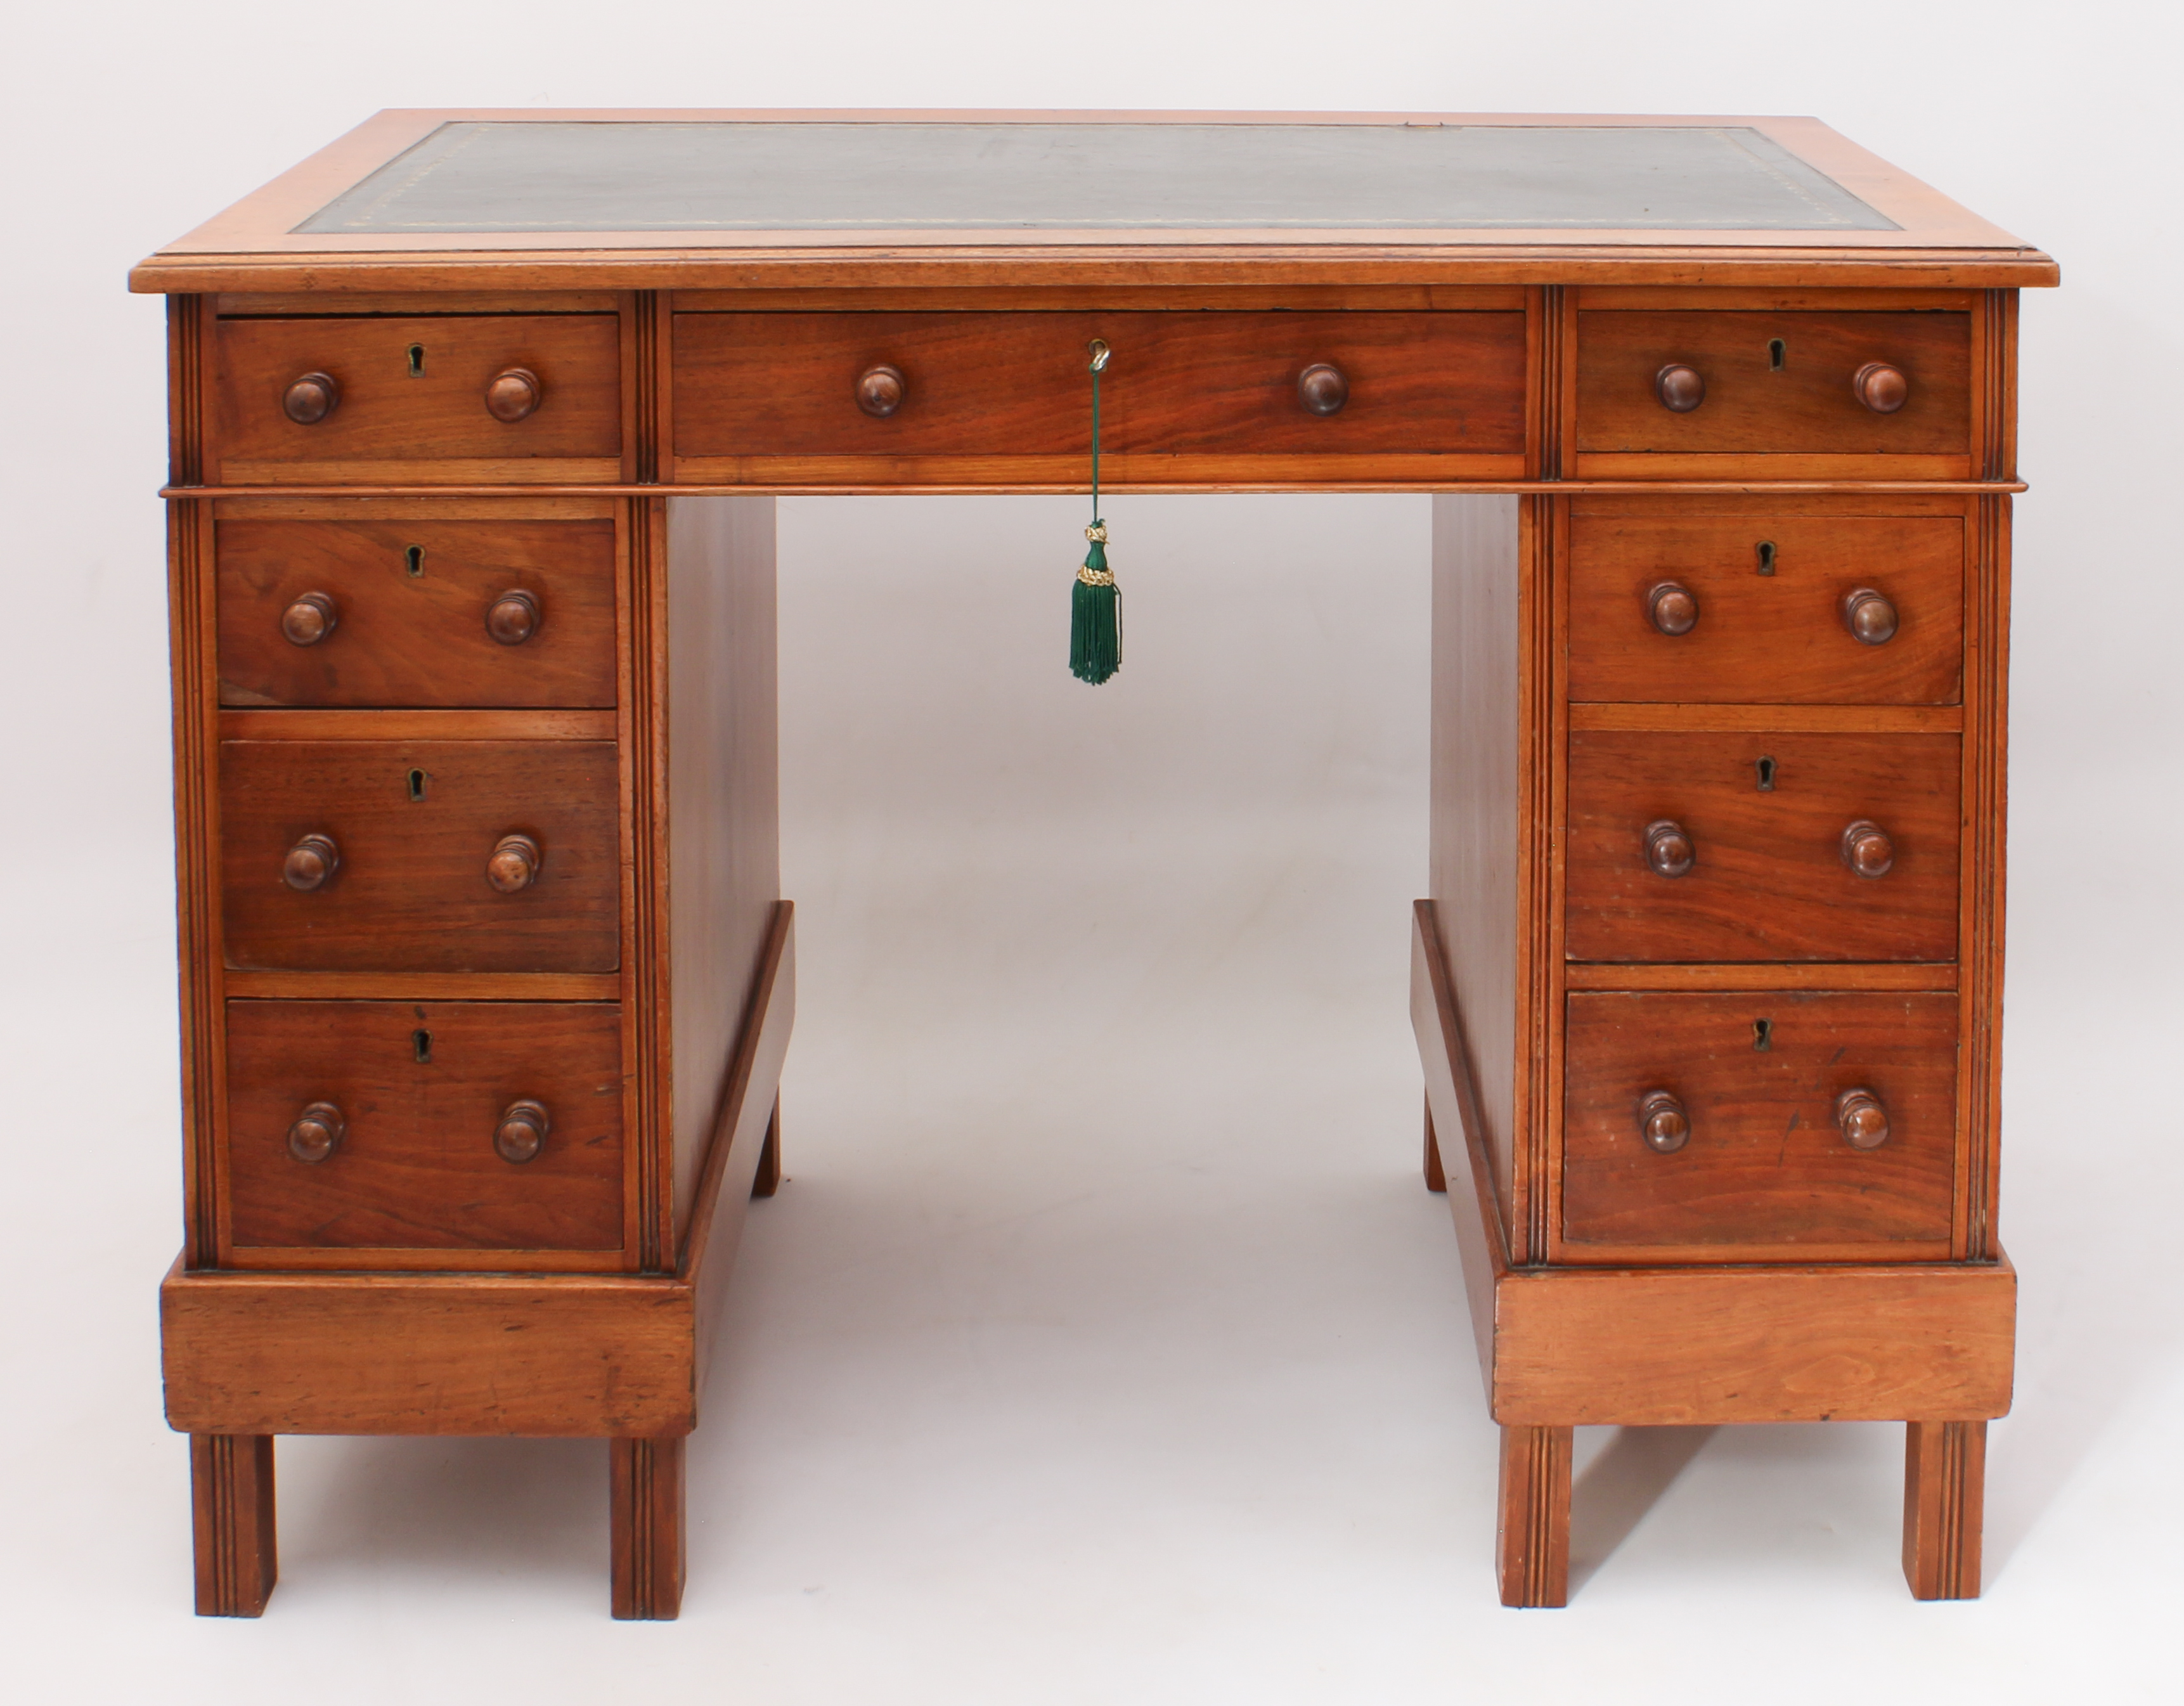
(425, 1155)
(1758, 1083)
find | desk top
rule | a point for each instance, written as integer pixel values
(648, 200)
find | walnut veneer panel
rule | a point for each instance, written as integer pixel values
(1767, 880)
(411, 601)
(1765, 1173)
(422, 1086)
(410, 891)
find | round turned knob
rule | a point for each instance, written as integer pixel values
(1867, 849)
(1679, 388)
(309, 862)
(522, 1132)
(513, 393)
(1321, 389)
(310, 400)
(317, 1132)
(1880, 387)
(514, 865)
(1870, 617)
(1663, 1123)
(1669, 850)
(881, 389)
(1861, 1118)
(513, 617)
(1674, 609)
(309, 619)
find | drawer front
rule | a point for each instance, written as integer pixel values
(390, 410)
(411, 882)
(1763, 1168)
(457, 614)
(419, 1091)
(1749, 608)
(1015, 385)
(1807, 405)
(1768, 877)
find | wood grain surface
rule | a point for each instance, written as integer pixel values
(410, 892)
(1180, 386)
(434, 421)
(1804, 407)
(1768, 882)
(1765, 1174)
(1771, 638)
(412, 628)
(417, 1170)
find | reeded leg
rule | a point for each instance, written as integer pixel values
(1534, 1541)
(649, 1553)
(231, 1519)
(1944, 1499)
(1435, 1178)
(767, 1179)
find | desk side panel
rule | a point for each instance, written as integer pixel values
(723, 799)
(1473, 859)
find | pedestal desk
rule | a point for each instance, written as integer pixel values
(477, 422)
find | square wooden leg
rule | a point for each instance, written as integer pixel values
(232, 1523)
(649, 1548)
(1944, 1502)
(767, 1179)
(1435, 1178)
(1533, 1538)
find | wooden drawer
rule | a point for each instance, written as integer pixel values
(1769, 591)
(1767, 878)
(1183, 392)
(1764, 1170)
(425, 420)
(414, 605)
(421, 1088)
(1806, 407)
(413, 825)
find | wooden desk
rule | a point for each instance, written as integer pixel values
(477, 420)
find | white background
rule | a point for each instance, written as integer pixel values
(1103, 1345)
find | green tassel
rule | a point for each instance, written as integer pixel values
(1095, 614)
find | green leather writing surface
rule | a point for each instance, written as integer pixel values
(563, 176)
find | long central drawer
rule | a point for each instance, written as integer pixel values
(1016, 385)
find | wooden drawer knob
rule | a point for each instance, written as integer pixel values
(1861, 1118)
(1880, 387)
(1680, 388)
(513, 393)
(515, 863)
(1674, 608)
(309, 619)
(317, 1132)
(881, 389)
(310, 862)
(1669, 850)
(522, 1132)
(1321, 389)
(1663, 1122)
(1867, 849)
(310, 400)
(1870, 617)
(513, 617)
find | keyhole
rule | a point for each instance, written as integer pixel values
(1766, 549)
(1763, 1035)
(1766, 768)
(417, 361)
(421, 1044)
(413, 561)
(1776, 349)
(417, 782)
